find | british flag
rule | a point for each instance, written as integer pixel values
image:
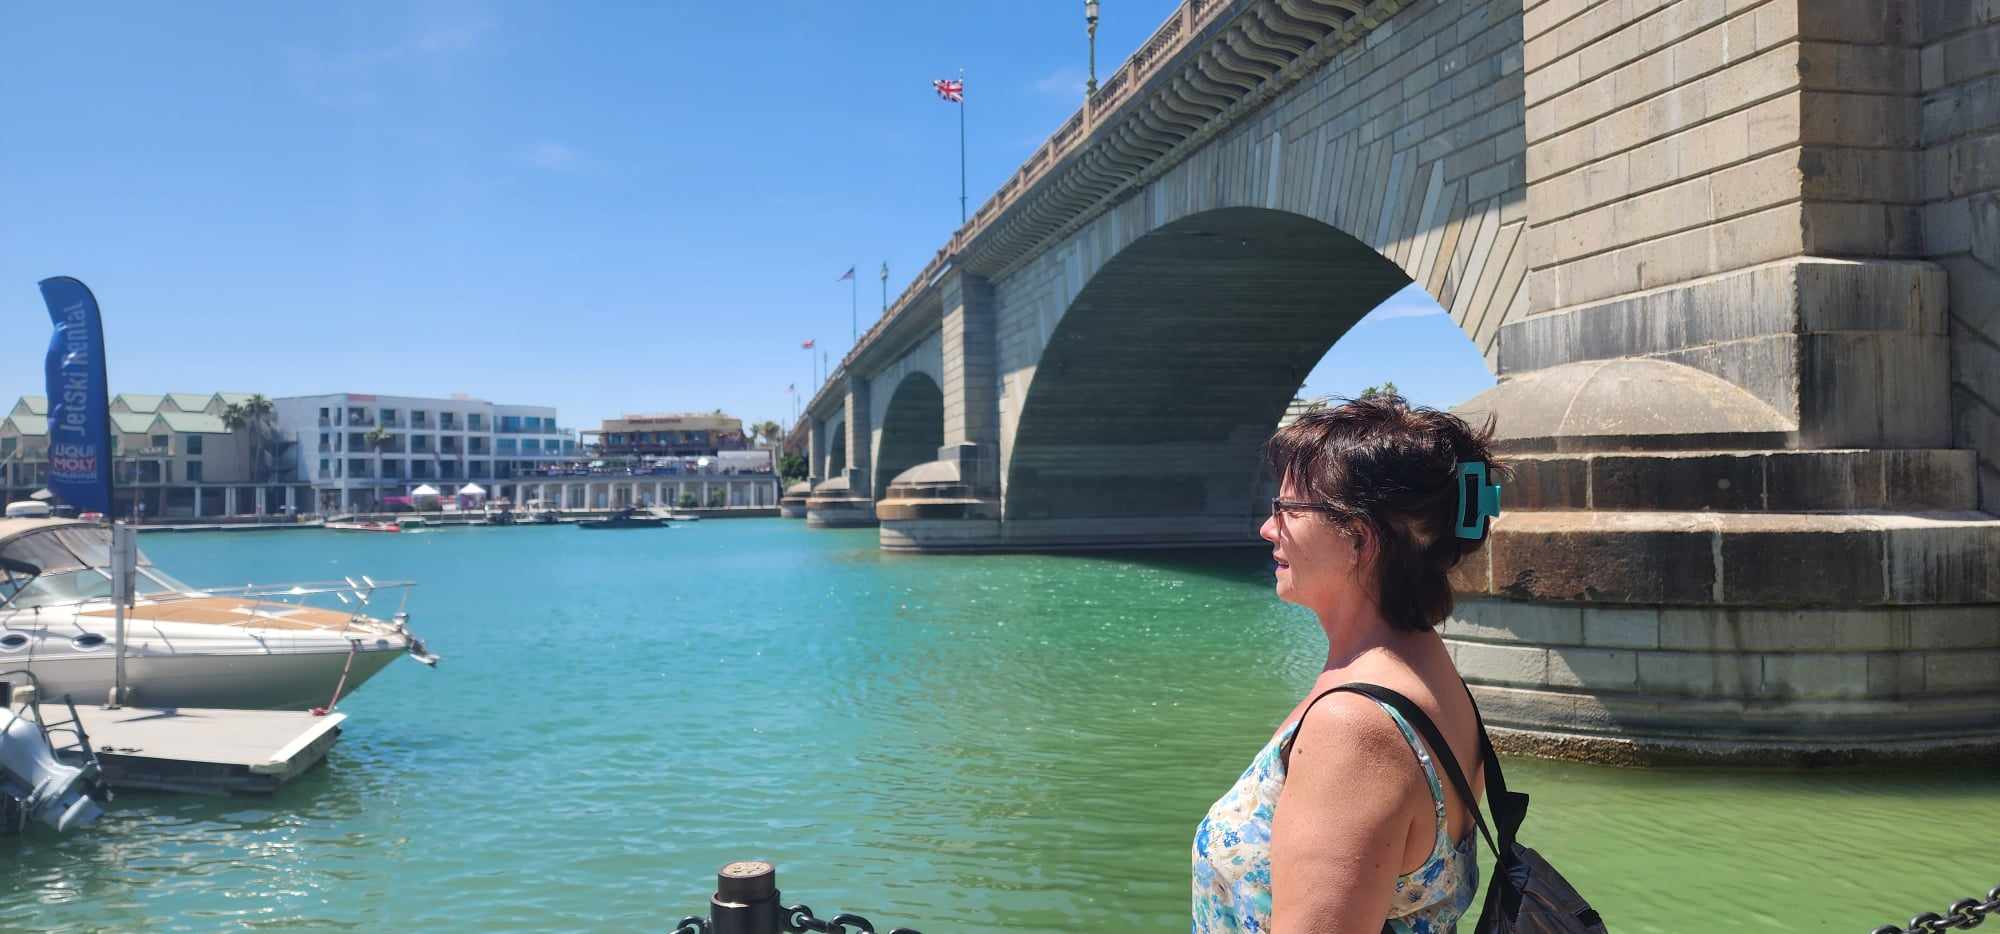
(951, 89)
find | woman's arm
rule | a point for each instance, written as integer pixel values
(1342, 821)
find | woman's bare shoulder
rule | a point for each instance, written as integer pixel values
(1343, 733)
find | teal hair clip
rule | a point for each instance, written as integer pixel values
(1477, 499)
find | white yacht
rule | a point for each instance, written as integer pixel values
(243, 647)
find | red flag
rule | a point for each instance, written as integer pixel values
(849, 274)
(808, 345)
(951, 89)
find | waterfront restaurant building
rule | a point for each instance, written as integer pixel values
(674, 459)
(174, 456)
(359, 450)
(668, 435)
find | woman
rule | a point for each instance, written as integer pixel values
(1344, 819)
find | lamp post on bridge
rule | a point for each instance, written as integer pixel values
(1090, 17)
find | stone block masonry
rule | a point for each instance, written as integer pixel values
(1959, 126)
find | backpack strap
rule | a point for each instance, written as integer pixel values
(1510, 808)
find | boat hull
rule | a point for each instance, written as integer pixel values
(290, 680)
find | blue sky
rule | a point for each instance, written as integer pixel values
(625, 207)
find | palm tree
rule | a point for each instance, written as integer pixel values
(254, 413)
(771, 431)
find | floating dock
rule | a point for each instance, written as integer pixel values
(204, 751)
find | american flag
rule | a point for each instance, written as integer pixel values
(951, 89)
(849, 274)
(808, 345)
(792, 388)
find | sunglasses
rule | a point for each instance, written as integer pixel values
(1294, 505)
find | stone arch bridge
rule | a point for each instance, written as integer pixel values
(1735, 262)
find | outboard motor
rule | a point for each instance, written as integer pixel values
(34, 785)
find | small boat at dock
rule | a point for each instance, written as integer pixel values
(255, 647)
(351, 524)
(627, 518)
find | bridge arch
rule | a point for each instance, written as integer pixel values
(1170, 366)
(912, 428)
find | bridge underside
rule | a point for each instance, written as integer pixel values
(1154, 396)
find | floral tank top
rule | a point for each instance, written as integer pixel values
(1232, 855)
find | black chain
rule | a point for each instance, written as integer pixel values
(1963, 914)
(799, 919)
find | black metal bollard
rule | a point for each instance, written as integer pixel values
(746, 900)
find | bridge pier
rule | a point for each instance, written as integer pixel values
(844, 501)
(953, 503)
(792, 505)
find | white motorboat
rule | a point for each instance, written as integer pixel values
(247, 647)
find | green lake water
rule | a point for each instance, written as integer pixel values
(1018, 743)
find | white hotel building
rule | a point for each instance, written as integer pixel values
(355, 449)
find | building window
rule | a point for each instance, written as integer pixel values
(388, 416)
(478, 445)
(7, 445)
(193, 469)
(323, 468)
(448, 421)
(420, 444)
(191, 444)
(419, 418)
(149, 471)
(324, 415)
(160, 443)
(473, 421)
(325, 442)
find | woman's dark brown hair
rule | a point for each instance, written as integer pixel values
(1388, 471)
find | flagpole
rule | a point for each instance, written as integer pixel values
(853, 307)
(961, 147)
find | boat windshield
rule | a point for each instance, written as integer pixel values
(68, 564)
